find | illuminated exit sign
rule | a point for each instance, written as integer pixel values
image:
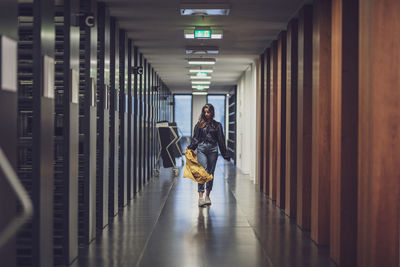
(202, 34)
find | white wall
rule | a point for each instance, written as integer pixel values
(246, 121)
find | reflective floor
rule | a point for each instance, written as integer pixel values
(163, 226)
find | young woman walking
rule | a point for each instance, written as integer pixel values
(207, 136)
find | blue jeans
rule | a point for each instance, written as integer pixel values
(207, 155)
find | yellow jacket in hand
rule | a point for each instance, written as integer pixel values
(193, 169)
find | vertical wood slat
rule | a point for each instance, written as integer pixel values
(266, 111)
(273, 122)
(304, 114)
(281, 122)
(344, 136)
(379, 127)
(291, 118)
(260, 122)
(321, 99)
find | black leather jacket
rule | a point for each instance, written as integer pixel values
(210, 134)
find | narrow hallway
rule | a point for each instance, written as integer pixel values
(163, 226)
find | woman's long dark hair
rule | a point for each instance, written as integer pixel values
(203, 120)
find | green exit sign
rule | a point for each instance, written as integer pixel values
(206, 34)
(201, 74)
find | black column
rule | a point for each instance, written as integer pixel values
(87, 124)
(8, 118)
(36, 109)
(66, 131)
(123, 119)
(114, 117)
(103, 111)
(130, 170)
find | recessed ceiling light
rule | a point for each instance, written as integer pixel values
(202, 61)
(204, 9)
(199, 93)
(201, 77)
(200, 87)
(202, 50)
(201, 70)
(201, 82)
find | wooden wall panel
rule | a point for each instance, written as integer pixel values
(291, 119)
(304, 117)
(379, 131)
(273, 122)
(281, 122)
(267, 86)
(260, 121)
(344, 139)
(321, 99)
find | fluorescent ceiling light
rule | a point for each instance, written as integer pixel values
(204, 9)
(201, 82)
(199, 93)
(200, 87)
(201, 77)
(200, 70)
(202, 50)
(202, 61)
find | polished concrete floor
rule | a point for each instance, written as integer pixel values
(163, 226)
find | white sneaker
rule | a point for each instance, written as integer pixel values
(202, 202)
(207, 200)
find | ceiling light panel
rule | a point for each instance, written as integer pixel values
(201, 82)
(201, 77)
(201, 70)
(202, 61)
(199, 93)
(202, 50)
(204, 9)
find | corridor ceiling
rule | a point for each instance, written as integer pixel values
(157, 27)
